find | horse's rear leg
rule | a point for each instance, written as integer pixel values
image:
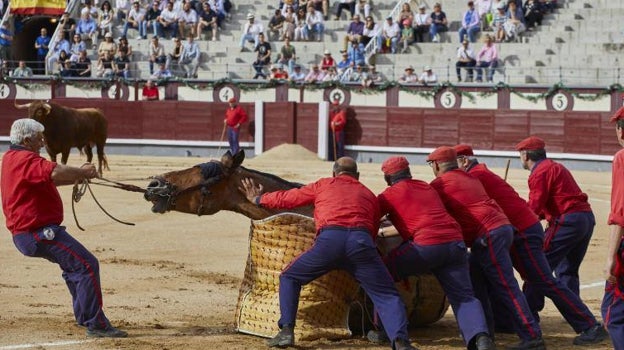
(89, 152)
(64, 156)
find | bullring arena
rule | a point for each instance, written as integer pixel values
(172, 280)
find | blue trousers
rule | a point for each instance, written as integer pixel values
(232, 135)
(354, 251)
(491, 266)
(81, 271)
(613, 309)
(339, 139)
(565, 246)
(449, 263)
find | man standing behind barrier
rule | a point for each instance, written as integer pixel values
(613, 302)
(346, 214)
(489, 234)
(34, 212)
(337, 124)
(235, 116)
(555, 196)
(432, 242)
(527, 250)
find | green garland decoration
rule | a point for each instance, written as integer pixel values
(88, 85)
(23, 83)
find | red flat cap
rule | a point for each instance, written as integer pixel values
(618, 115)
(393, 165)
(463, 150)
(336, 102)
(443, 154)
(232, 100)
(531, 143)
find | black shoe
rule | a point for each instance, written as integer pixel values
(484, 342)
(533, 344)
(593, 335)
(377, 337)
(110, 332)
(283, 339)
(403, 344)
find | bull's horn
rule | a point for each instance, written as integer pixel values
(24, 106)
(47, 107)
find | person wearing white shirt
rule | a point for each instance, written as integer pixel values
(389, 34)
(421, 23)
(465, 59)
(297, 76)
(187, 20)
(135, 19)
(122, 7)
(363, 5)
(251, 29)
(314, 24)
(428, 77)
(189, 59)
(168, 20)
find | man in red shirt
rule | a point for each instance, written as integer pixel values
(235, 116)
(337, 125)
(527, 250)
(346, 214)
(432, 242)
(33, 211)
(613, 301)
(150, 92)
(555, 196)
(489, 234)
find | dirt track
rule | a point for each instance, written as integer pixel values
(172, 280)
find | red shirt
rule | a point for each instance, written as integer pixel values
(150, 93)
(418, 213)
(616, 216)
(515, 208)
(553, 191)
(338, 121)
(236, 115)
(466, 200)
(30, 199)
(338, 201)
(327, 62)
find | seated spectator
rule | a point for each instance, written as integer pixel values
(407, 35)
(315, 75)
(331, 75)
(124, 47)
(356, 53)
(372, 77)
(150, 92)
(514, 25)
(263, 57)
(465, 59)
(161, 73)
(300, 24)
(122, 7)
(428, 77)
(321, 6)
(189, 59)
(297, 76)
(121, 66)
(22, 71)
(409, 77)
(470, 24)
(389, 37)
(63, 56)
(533, 13)
(354, 31)
(77, 46)
(167, 22)
(67, 69)
(344, 63)
(484, 8)
(498, 22)
(487, 58)
(345, 5)
(82, 66)
(421, 24)
(105, 18)
(251, 31)
(276, 24)
(278, 73)
(187, 21)
(314, 24)
(363, 6)
(156, 52)
(173, 58)
(89, 9)
(87, 29)
(287, 55)
(107, 45)
(135, 19)
(290, 23)
(207, 20)
(353, 74)
(438, 23)
(105, 66)
(405, 14)
(370, 30)
(68, 25)
(151, 18)
(327, 60)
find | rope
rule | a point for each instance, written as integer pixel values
(80, 188)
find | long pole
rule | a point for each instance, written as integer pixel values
(222, 136)
(334, 142)
(507, 169)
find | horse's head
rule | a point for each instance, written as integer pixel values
(203, 189)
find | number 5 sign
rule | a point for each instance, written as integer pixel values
(560, 101)
(447, 99)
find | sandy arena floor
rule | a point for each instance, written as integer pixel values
(172, 280)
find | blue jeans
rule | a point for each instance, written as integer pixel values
(317, 28)
(160, 29)
(490, 68)
(232, 135)
(127, 26)
(471, 32)
(248, 37)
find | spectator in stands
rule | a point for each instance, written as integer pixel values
(61, 45)
(207, 20)
(409, 77)
(331, 75)
(251, 31)
(428, 77)
(77, 46)
(470, 24)
(161, 73)
(344, 62)
(372, 77)
(187, 21)
(321, 6)
(484, 8)
(22, 71)
(124, 47)
(150, 92)
(297, 76)
(263, 57)
(421, 23)
(290, 23)
(121, 66)
(62, 58)
(354, 31)
(353, 74)
(276, 24)
(42, 46)
(107, 45)
(345, 5)
(82, 66)
(277, 73)
(173, 58)
(533, 13)
(287, 55)
(407, 35)
(327, 60)
(363, 8)
(300, 34)
(67, 69)
(390, 34)
(514, 25)
(315, 75)
(314, 24)
(122, 7)
(105, 66)
(498, 22)
(356, 53)
(370, 30)
(89, 9)
(405, 14)
(167, 21)
(151, 18)
(487, 58)
(135, 19)
(105, 18)
(88, 30)
(68, 25)
(156, 53)
(189, 60)
(466, 60)
(438, 23)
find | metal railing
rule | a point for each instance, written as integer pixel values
(71, 7)
(372, 47)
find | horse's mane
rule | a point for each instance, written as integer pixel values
(274, 178)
